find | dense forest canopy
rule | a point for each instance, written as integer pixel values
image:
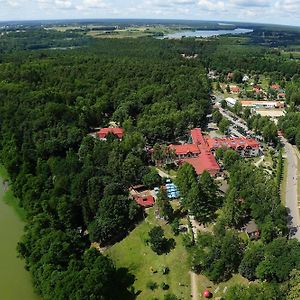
(70, 182)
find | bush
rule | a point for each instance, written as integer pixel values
(151, 285)
(164, 286)
(170, 297)
(165, 270)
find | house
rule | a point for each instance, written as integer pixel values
(103, 132)
(235, 89)
(252, 230)
(141, 195)
(245, 78)
(257, 89)
(144, 201)
(229, 76)
(230, 101)
(275, 87)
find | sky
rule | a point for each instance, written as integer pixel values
(262, 11)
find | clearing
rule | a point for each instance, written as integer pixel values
(133, 253)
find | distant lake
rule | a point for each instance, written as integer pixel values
(205, 33)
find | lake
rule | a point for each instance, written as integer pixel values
(15, 281)
(205, 33)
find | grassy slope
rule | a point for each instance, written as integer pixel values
(218, 290)
(132, 253)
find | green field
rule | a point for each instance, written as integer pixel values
(133, 32)
(218, 290)
(145, 265)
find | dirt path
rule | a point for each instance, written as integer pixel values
(194, 288)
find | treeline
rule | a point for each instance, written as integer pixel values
(74, 187)
(226, 55)
(31, 38)
(290, 125)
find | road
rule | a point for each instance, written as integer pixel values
(291, 197)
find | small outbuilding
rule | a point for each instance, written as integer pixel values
(252, 230)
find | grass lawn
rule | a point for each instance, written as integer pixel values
(145, 265)
(218, 289)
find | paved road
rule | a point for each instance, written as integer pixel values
(291, 190)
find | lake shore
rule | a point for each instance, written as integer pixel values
(15, 281)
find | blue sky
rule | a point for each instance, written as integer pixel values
(266, 11)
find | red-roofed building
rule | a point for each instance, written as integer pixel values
(275, 87)
(103, 132)
(197, 154)
(200, 154)
(141, 196)
(185, 150)
(235, 89)
(245, 147)
(144, 201)
(205, 162)
(197, 137)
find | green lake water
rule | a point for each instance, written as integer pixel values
(15, 281)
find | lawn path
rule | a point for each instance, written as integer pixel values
(194, 288)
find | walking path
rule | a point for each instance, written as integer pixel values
(194, 287)
(163, 174)
(257, 164)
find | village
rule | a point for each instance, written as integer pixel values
(257, 93)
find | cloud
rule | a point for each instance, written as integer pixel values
(252, 3)
(289, 6)
(92, 4)
(212, 5)
(170, 3)
(63, 4)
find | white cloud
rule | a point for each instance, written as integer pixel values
(63, 4)
(212, 5)
(289, 6)
(92, 4)
(252, 3)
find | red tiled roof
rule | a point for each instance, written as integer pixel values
(145, 201)
(232, 143)
(102, 133)
(235, 89)
(197, 136)
(185, 149)
(275, 86)
(206, 161)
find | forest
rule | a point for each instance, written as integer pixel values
(70, 183)
(75, 187)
